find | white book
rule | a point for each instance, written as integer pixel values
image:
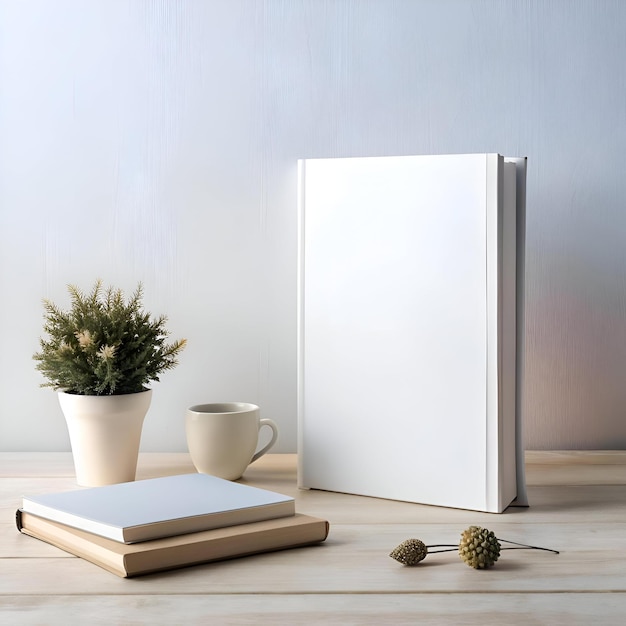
(410, 333)
(160, 507)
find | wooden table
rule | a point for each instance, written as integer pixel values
(578, 506)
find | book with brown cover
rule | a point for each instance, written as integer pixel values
(127, 560)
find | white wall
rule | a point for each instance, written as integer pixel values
(157, 141)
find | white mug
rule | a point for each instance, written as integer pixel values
(222, 437)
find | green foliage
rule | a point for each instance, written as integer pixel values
(104, 345)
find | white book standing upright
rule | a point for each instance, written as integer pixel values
(411, 329)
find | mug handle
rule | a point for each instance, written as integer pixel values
(266, 422)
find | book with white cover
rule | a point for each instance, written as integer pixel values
(411, 328)
(160, 507)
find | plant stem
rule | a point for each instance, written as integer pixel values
(451, 547)
(523, 545)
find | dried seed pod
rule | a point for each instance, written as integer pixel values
(479, 547)
(410, 552)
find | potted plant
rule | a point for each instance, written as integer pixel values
(100, 355)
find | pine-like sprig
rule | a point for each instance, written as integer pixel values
(104, 345)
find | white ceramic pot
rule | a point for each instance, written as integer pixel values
(105, 432)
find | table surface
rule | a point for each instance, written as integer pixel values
(577, 506)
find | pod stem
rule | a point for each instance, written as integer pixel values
(523, 545)
(451, 547)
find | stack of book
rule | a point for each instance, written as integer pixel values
(164, 523)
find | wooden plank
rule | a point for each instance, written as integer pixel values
(567, 609)
(575, 457)
(543, 467)
(355, 559)
(550, 503)
(445, 609)
(60, 464)
(576, 467)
